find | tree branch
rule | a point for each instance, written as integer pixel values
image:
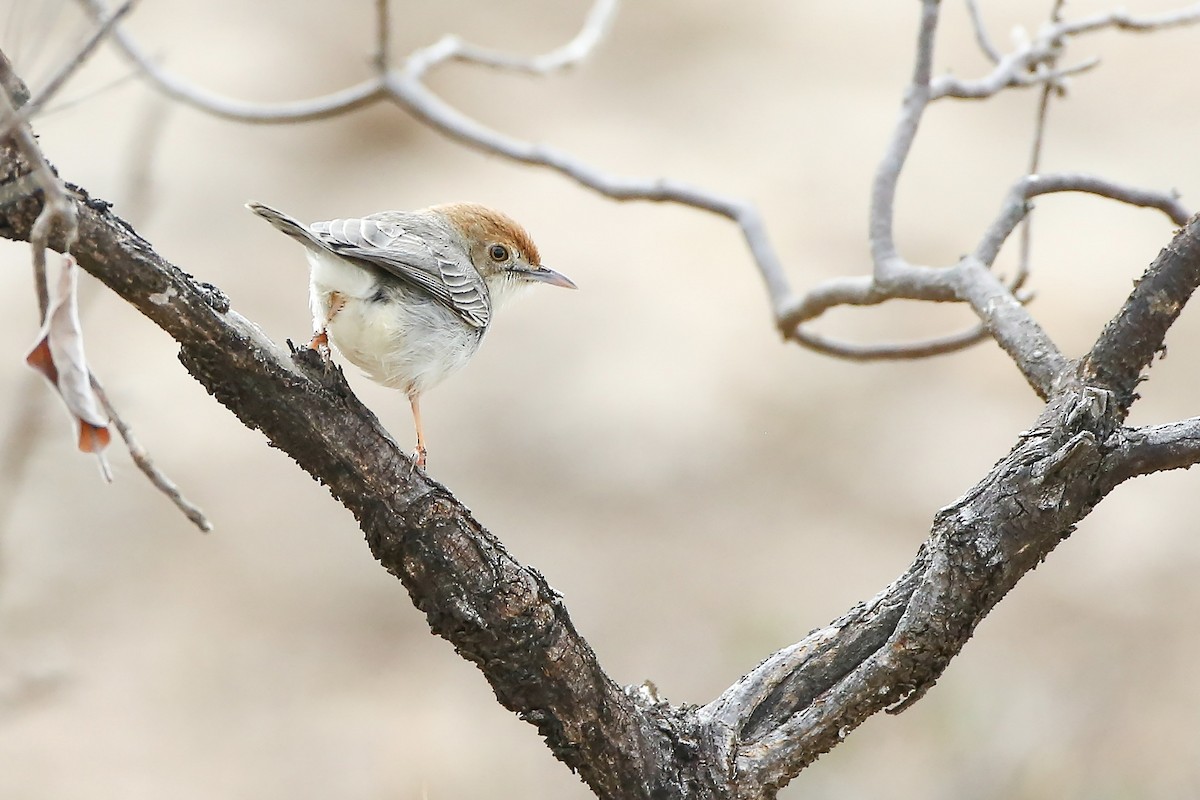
(884, 256)
(1034, 166)
(30, 105)
(1032, 63)
(1131, 340)
(145, 463)
(981, 34)
(1154, 448)
(498, 613)
(406, 88)
(503, 615)
(900, 351)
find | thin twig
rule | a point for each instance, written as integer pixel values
(1025, 242)
(893, 277)
(323, 107)
(383, 35)
(884, 256)
(146, 465)
(981, 34)
(1049, 88)
(57, 210)
(899, 351)
(66, 70)
(595, 27)
(1123, 20)
(1027, 65)
(1013, 72)
(1016, 206)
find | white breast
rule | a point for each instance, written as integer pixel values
(398, 336)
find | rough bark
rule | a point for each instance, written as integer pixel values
(504, 617)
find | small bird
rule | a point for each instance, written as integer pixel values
(406, 296)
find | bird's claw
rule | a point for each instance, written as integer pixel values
(320, 343)
(418, 459)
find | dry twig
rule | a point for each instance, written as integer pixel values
(146, 464)
(58, 219)
(892, 276)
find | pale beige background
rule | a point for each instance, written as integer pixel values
(699, 492)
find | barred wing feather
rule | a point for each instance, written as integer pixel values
(387, 245)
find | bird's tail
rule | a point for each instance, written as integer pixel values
(292, 227)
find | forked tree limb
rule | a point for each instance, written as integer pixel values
(504, 617)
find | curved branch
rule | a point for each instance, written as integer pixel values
(1015, 207)
(431, 109)
(898, 351)
(595, 27)
(182, 90)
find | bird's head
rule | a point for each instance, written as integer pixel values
(500, 250)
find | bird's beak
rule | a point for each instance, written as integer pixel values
(544, 275)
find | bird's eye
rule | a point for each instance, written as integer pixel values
(498, 252)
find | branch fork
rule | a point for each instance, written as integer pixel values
(882, 655)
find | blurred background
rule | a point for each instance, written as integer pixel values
(699, 492)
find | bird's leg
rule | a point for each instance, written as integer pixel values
(418, 456)
(320, 339)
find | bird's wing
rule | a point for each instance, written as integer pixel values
(444, 273)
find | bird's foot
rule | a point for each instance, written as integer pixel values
(418, 459)
(320, 343)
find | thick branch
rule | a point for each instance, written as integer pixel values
(498, 613)
(886, 653)
(1131, 340)
(882, 655)
(505, 618)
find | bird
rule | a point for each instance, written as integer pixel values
(406, 296)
